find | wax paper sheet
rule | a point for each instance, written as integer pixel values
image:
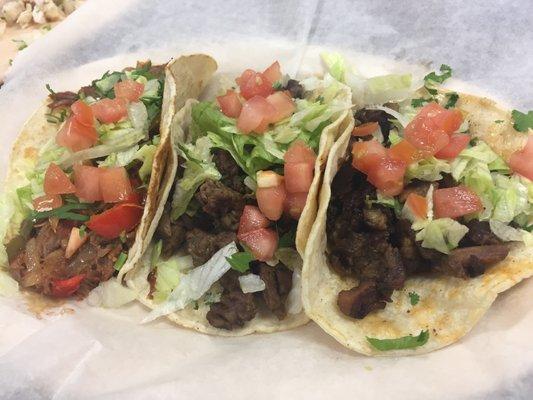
(81, 352)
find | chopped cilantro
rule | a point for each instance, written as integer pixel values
(405, 342)
(121, 260)
(58, 117)
(414, 298)
(196, 305)
(522, 121)
(47, 86)
(432, 79)
(277, 85)
(452, 99)
(21, 44)
(10, 61)
(420, 102)
(499, 121)
(46, 27)
(287, 239)
(83, 231)
(240, 261)
(320, 99)
(64, 212)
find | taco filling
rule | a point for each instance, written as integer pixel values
(225, 243)
(416, 194)
(85, 194)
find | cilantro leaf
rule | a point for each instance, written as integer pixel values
(277, 85)
(452, 99)
(522, 121)
(21, 43)
(420, 102)
(63, 212)
(240, 261)
(121, 260)
(414, 298)
(405, 342)
(433, 79)
(499, 121)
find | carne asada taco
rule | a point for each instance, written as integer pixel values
(425, 216)
(224, 258)
(85, 174)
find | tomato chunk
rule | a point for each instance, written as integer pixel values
(273, 73)
(283, 105)
(251, 219)
(120, 218)
(295, 204)
(271, 201)
(417, 204)
(47, 202)
(298, 177)
(365, 129)
(387, 176)
(521, 161)
(75, 136)
(56, 181)
(367, 155)
(406, 152)
(299, 152)
(230, 104)
(256, 85)
(255, 115)
(87, 183)
(130, 90)
(67, 287)
(83, 113)
(455, 202)
(458, 143)
(261, 242)
(110, 110)
(115, 184)
(245, 76)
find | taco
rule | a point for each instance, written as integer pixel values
(425, 217)
(85, 174)
(248, 164)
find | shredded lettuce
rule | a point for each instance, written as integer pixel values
(8, 286)
(251, 283)
(335, 64)
(509, 234)
(429, 169)
(443, 234)
(294, 299)
(289, 257)
(193, 285)
(168, 274)
(111, 294)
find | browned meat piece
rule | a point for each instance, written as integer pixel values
(202, 245)
(378, 218)
(404, 238)
(232, 175)
(232, 311)
(447, 181)
(479, 234)
(62, 99)
(152, 280)
(295, 88)
(379, 116)
(359, 301)
(225, 205)
(171, 233)
(158, 71)
(468, 262)
(418, 187)
(88, 91)
(230, 280)
(278, 284)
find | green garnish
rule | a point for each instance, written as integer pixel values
(452, 99)
(499, 121)
(432, 79)
(277, 85)
(47, 86)
(57, 118)
(420, 102)
(196, 305)
(287, 239)
(46, 27)
(156, 252)
(240, 261)
(122, 257)
(63, 212)
(522, 121)
(10, 61)
(414, 298)
(405, 342)
(21, 43)
(82, 231)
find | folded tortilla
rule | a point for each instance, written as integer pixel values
(449, 307)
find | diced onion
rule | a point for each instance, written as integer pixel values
(251, 283)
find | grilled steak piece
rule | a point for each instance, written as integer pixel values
(378, 218)
(479, 234)
(295, 88)
(62, 99)
(232, 311)
(359, 301)
(418, 187)
(203, 245)
(404, 239)
(469, 262)
(232, 175)
(171, 233)
(223, 204)
(278, 283)
(379, 116)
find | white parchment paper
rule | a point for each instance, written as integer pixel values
(97, 353)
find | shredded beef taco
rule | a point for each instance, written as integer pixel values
(224, 259)
(85, 177)
(425, 216)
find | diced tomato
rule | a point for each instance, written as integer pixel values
(424, 135)
(75, 241)
(295, 204)
(115, 184)
(365, 129)
(417, 204)
(271, 201)
(110, 110)
(230, 104)
(261, 242)
(83, 113)
(130, 90)
(255, 115)
(273, 73)
(299, 152)
(521, 161)
(455, 202)
(87, 183)
(75, 136)
(247, 74)
(256, 85)
(366, 155)
(406, 152)
(298, 177)
(449, 120)
(135, 197)
(47, 202)
(56, 181)
(458, 143)
(283, 105)
(387, 176)
(251, 219)
(120, 218)
(67, 287)
(268, 179)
